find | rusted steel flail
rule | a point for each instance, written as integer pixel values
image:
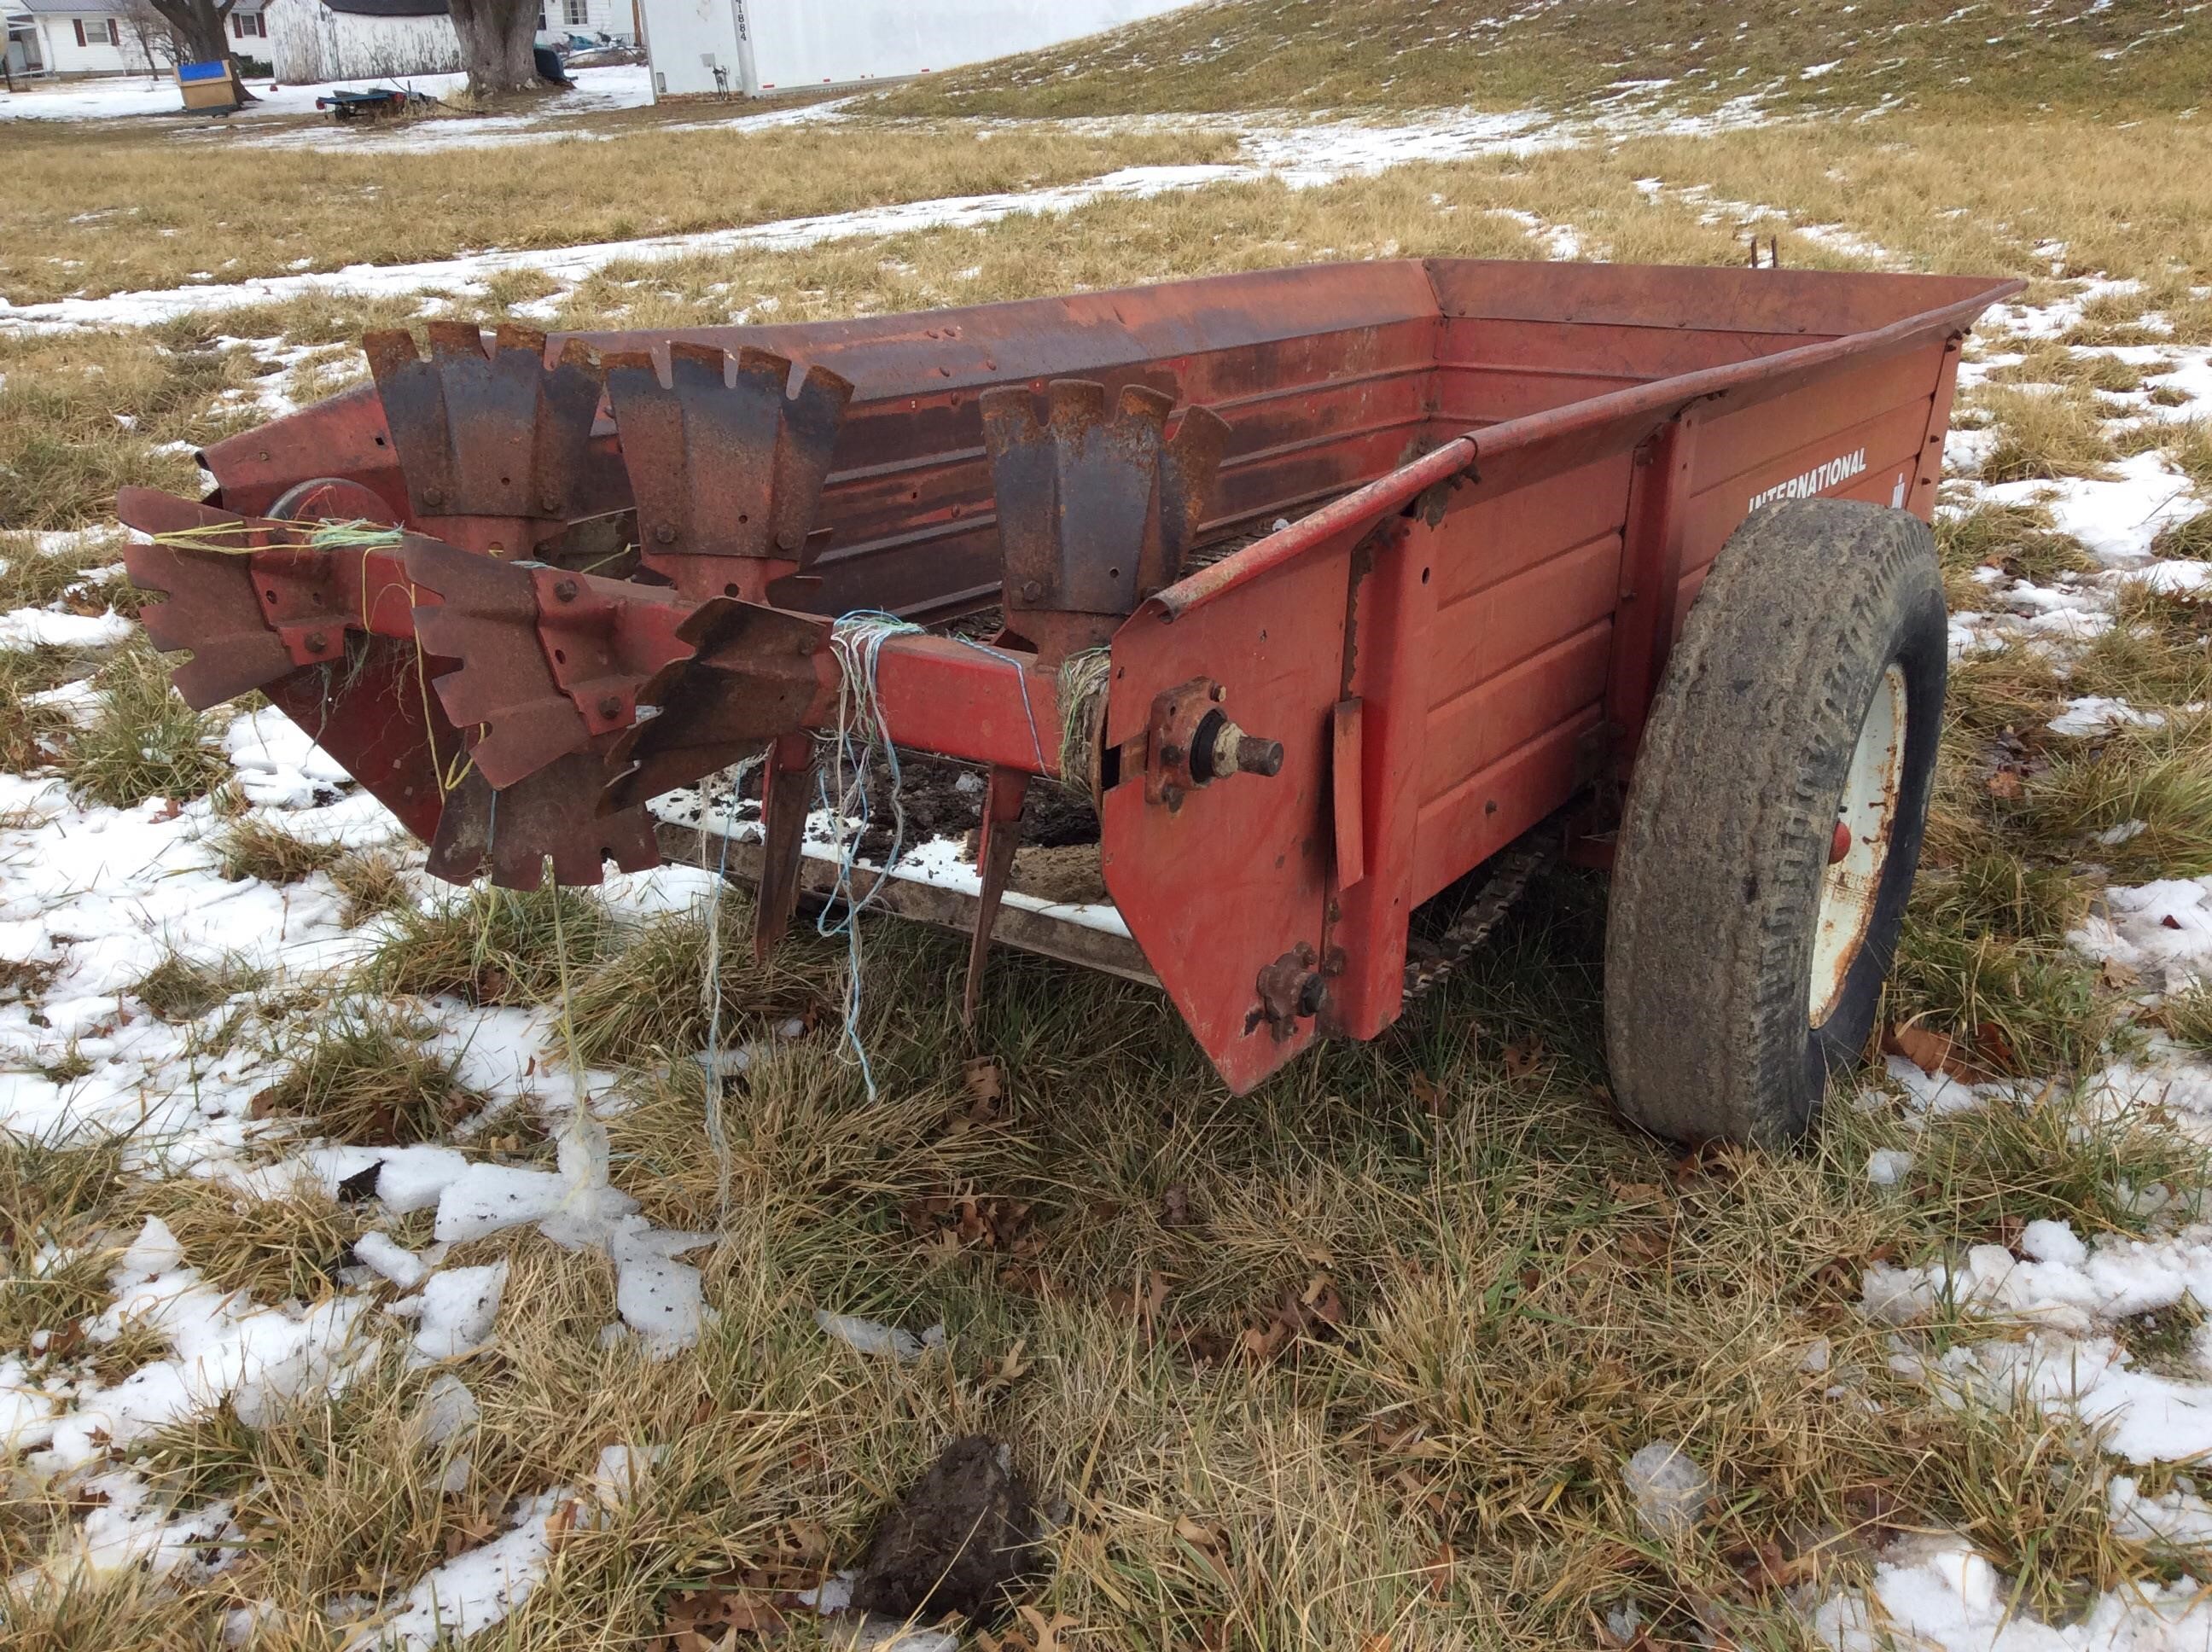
(491, 444)
(726, 464)
(1097, 511)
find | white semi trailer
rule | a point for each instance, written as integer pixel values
(756, 47)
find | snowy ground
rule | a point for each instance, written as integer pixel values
(100, 895)
(621, 86)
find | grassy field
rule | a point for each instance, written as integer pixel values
(1354, 1362)
(2001, 57)
(102, 209)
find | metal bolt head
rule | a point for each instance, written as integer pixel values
(1031, 590)
(434, 495)
(1255, 756)
(610, 705)
(549, 503)
(317, 642)
(565, 590)
(664, 535)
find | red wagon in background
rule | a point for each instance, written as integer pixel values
(1332, 589)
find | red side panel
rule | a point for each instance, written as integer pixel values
(1236, 878)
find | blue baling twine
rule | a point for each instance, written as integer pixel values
(858, 639)
(717, 1137)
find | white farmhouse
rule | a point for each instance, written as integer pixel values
(313, 40)
(108, 37)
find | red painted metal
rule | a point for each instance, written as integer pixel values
(1466, 508)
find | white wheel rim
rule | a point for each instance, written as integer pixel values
(1868, 811)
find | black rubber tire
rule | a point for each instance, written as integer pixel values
(1731, 808)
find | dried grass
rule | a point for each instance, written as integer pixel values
(99, 210)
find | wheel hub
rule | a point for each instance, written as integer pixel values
(1858, 849)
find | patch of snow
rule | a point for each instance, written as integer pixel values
(2091, 714)
(2162, 931)
(1669, 1489)
(1888, 1166)
(871, 1338)
(51, 628)
(1937, 1593)
(480, 1587)
(459, 1307)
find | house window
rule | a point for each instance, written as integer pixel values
(577, 14)
(247, 25)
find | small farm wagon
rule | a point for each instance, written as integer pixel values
(1333, 591)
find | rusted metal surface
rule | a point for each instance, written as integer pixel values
(209, 604)
(1097, 511)
(1046, 933)
(788, 785)
(551, 815)
(999, 836)
(1478, 497)
(1650, 579)
(489, 443)
(752, 674)
(725, 467)
(1219, 882)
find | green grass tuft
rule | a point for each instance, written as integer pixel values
(363, 1074)
(143, 741)
(179, 988)
(371, 881)
(493, 945)
(2023, 1006)
(54, 1193)
(257, 845)
(2043, 435)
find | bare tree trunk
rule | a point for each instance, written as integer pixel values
(199, 27)
(496, 38)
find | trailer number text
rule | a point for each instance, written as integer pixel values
(1818, 480)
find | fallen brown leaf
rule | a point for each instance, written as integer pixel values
(984, 1082)
(1146, 1310)
(1930, 1051)
(1045, 1630)
(1994, 1048)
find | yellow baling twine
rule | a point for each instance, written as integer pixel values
(229, 538)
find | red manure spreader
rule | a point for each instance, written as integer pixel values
(1320, 600)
